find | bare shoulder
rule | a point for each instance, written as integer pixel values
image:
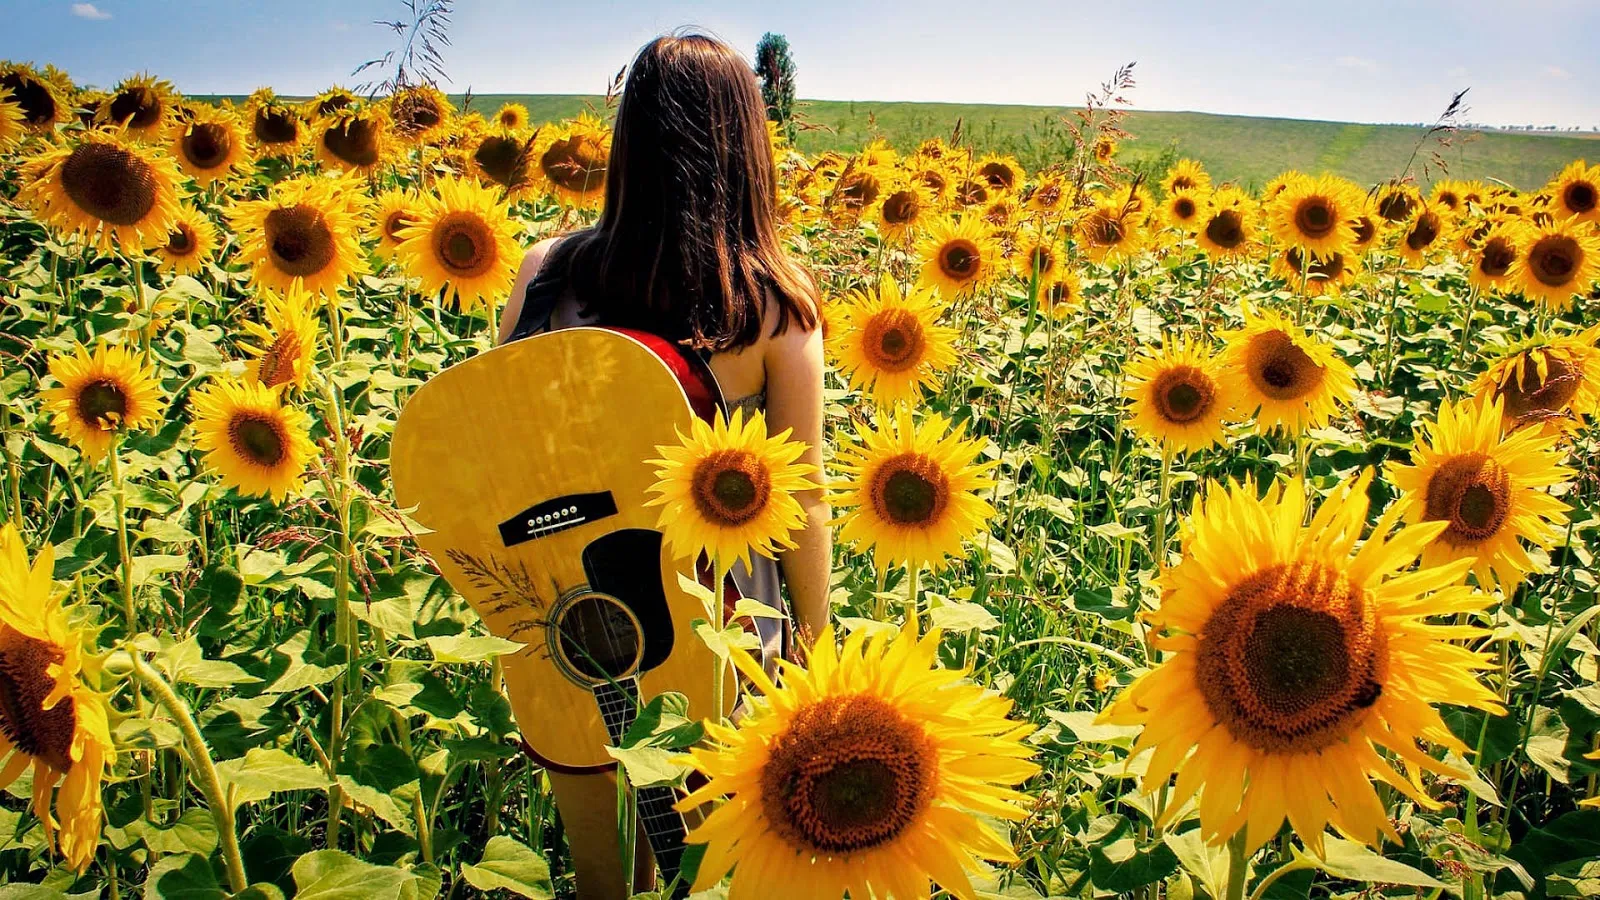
(532, 262)
(796, 333)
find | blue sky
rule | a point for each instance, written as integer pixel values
(1363, 60)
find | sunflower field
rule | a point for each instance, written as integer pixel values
(1192, 541)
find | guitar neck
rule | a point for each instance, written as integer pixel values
(662, 824)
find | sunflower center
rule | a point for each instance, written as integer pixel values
(960, 260)
(25, 682)
(999, 176)
(1366, 230)
(1182, 183)
(1059, 292)
(1104, 230)
(971, 191)
(181, 240)
(1183, 394)
(464, 245)
(910, 489)
(901, 207)
(1496, 257)
(207, 145)
(275, 126)
(574, 164)
(731, 487)
(139, 107)
(299, 240)
(848, 775)
(394, 223)
(333, 103)
(1553, 259)
(1048, 195)
(1329, 268)
(417, 112)
(102, 404)
(1184, 208)
(932, 180)
(1314, 218)
(1472, 492)
(1226, 229)
(110, 183)
(1423, 232)
(1580, 197)
(1395, 206)
(893, 340)
(1041, 260)
(1291, 658)
(1280, 368)
(1530, 396)
(258, 439)
(354, 141)
(859, 190)
(38, 106)
(497, 158)
(1450, 199)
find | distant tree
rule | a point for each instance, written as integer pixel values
(776, 69)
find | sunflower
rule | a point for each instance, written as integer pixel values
(1062, 295)
(878, 155)
(970, 192)
(1576, 192)
(868, 774)
(86, 106)
(1003, 174)
(728, 488)
(1105, 148)
(191, 241)
(912, 493)
(1278, 183)
(463, 242)
(392, 212)
(100, 394)
(251, 440)
(1396, 202)
(104, 189)
(143, 106)
(998, 215)
(1559, 260)
(1364, 225)
(354, 138)
(1297, 667)
(1049, 195)
(904, 207)
(13, 123)
(512, 117)
(1226, 226)
(420, 113)
(1315, 214)
(276, 128)
(329, 102)
(43, 106)
(306, 231)
(287, 344)
(1489, 489)
(1109, 231)
(1182, 211)
(958, 255)
(570, 160)
(51, 719)
(1495, 254)
(1177, 397)
(856, 191)
(889, 345)
(209, 146)
(1448, 194)
(935, 179)
(1037, 255)
(1186, 176)
(505, 160)
(1294, 380)
(1548, 381)
(1423, 233)
(1329, 274)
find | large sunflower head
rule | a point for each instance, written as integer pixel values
(1490, 489)
(191, 241)
(1315, 214)
(729, 488)
(570, 160)
(42, 104)
(420, 113)
(904, 208)
(1183, 211)
(1559, 260)
(250, 439)
(277, 129)
(1177, 397)
(1576, 192)
(51, 719)
(512, 117)
(1293, 654)
(100, 394)
(912, 491)
(1003, 174)
(1110, 231)
(958, 256)
(1493, 255)
(105, 190)
(210, 145)
(306, 230)
(1227, 225)
(889, 344)
(355, 138)
(1549, 382)
(393, 211)
(143, 106)
(1423, 233)
(1186, 176)
(1290, 378)
(463, 243)
(286, 342)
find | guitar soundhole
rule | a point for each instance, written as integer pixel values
(599, 638)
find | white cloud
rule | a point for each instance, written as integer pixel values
(1555, 72)
(89, 11)
(1358, 62)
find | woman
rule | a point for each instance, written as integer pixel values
(687, 248)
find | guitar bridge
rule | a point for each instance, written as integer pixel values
(555, 515)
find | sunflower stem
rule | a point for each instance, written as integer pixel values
(1294, 865)
(124, 557)
(1466, 326)
(13, 470)
(209, 781)
(1237, 860)
(912, 620)
(717, 663)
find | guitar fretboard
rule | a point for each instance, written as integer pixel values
(663, 825)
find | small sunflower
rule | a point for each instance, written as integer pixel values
(277, 129)
(912, 490)
(104, 189)
(1038, 255)
(1365, 225)
(512, 117)
(1298, 665)
(209, 146)
(51, 719)
(728, 488)
(1177, 397)
(100, 394)
(935, 179)
(329, 102)
(1489, 488)
(305, 230)
(1494, 256)
(1105, 149)
(393, 211)
(856, 192)
(1329, 274)
(505, 160)
(143, 106)
(1183, 211)
(1549, 382)
(570, 161)
(1422, 234)
(1003, 174)
(1290, 378)
(354, 138)
(42, 104)
(13, 122)
(958, 255)
(191, 242)
(1110, 231)
(420, 113)
(1576, 192)
(998, 215)
(1049, 195)
(869, 774)
(287, 343)
(1062, 295)
(1227, 225)
(1560, 260)
(1396, 202)
(1186, 177)
(903, 209)
(250, 440)
(890, 345)
(463, 243)
(971, 192)
(1315, 214)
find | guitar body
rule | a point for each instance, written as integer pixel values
(528, 464)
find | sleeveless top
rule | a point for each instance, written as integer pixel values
(761, 580)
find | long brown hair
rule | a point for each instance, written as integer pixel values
(687, 246)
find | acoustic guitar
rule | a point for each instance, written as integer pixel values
(528, 464)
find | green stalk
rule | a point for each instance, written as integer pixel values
(912, 621)
(200, 758)
(13, 470)
(717, 662)
(1294, 865)
(125, 588)
(1236, 866)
